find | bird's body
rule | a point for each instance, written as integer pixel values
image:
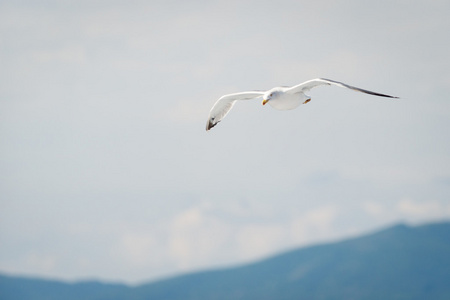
(281, 98)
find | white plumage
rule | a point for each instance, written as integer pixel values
(281, 98)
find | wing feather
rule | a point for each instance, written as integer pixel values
(225, 103)
(308, 85)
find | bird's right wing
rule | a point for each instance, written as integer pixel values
(225, 104)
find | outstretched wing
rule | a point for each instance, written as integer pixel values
(225, 104)
(308, 85)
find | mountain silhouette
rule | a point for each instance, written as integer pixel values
(401, 262)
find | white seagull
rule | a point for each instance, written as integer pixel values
(281, 98)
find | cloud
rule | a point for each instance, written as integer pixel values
(257, 240)
(315, 224)
(197, 233)
(419, 210)
(138, 248)
(194, 236)
(45, 264)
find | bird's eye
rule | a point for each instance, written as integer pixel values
(270, 95)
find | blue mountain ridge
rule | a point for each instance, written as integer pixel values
(401, 262)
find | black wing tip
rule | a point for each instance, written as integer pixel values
(210, 125)
(383, 95)
(378, 94)
(360, 90)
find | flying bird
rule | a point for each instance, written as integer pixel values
(281, 98)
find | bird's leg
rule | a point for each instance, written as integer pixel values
(307, 100)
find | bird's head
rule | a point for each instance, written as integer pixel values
(270, 95)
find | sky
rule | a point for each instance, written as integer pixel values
(107, 172)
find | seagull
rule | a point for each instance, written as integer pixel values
(281, 98)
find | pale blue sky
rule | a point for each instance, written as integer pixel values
(107, 171)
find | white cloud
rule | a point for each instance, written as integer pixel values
(257, 240)
(138, 248)
(420, 210)
(195, 235)
(314, 225)
(41, 263)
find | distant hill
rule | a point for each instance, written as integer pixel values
(401, 262)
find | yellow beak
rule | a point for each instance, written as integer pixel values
(265, 101)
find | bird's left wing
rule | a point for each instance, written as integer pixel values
(225, 104)
(308, 85)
